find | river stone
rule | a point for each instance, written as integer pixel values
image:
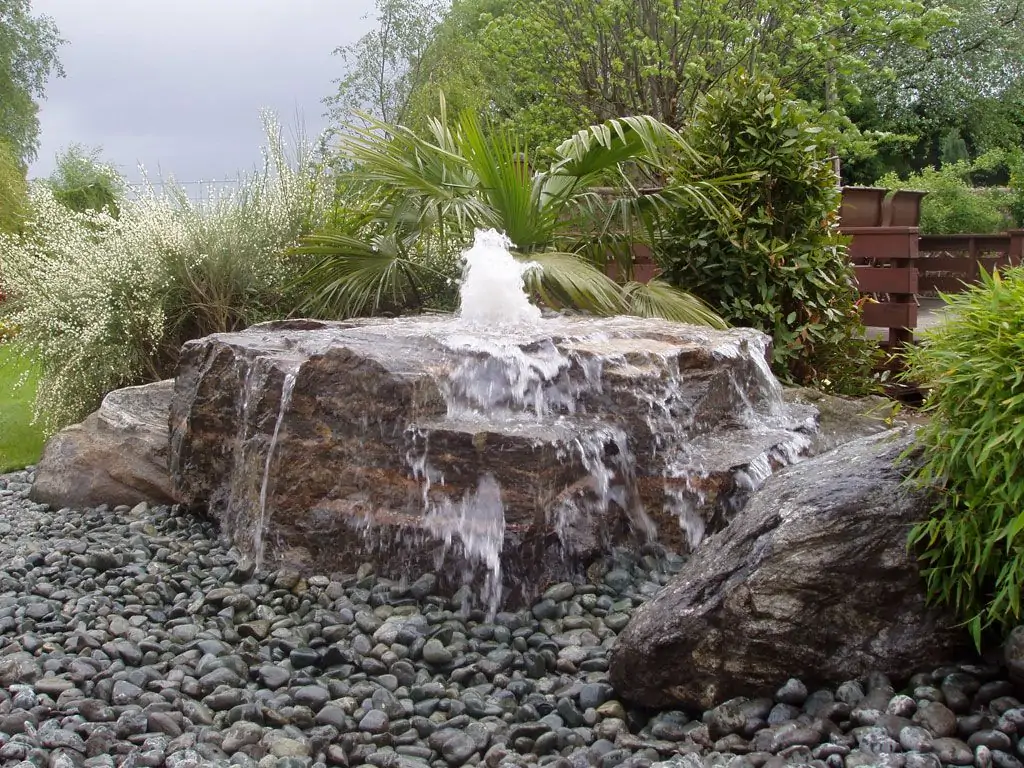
(118, 455)
(825, 538)
(402, 442)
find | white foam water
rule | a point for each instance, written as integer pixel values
(493, 293)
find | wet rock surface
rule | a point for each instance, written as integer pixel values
(318, 443)
(131, 637)
(811, 579)
(118, 455)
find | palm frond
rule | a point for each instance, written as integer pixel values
(428, 183)
(353, 276)
(659, 299)
(604, 147)
(566, 280)
(502, 167)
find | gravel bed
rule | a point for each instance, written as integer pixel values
(132, 637)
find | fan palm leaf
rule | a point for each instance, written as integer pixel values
(659, 299)
(356, 277)
(466, 174)
(565, 280)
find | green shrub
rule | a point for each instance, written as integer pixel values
(952, 206)
(973, 547)
(778, 264)
(105, 302)
(953, 148)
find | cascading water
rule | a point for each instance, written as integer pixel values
(508, 370)
(552, 434)
(287, 388)
(254, 376)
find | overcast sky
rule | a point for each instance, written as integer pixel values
(177, 85)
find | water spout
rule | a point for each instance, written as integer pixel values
(493, 290)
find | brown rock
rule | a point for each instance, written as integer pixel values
(118, 455)
(399, 440)
(811, 580)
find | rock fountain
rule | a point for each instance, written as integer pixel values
(502, 448)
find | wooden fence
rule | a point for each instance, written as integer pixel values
(884, 260)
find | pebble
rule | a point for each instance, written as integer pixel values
(131, 637)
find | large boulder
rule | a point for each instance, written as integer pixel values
(117, 455)
(320, 445)
(812, 580)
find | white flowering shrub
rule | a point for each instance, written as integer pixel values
(86, 291)
(103, 302)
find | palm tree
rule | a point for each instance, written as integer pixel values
(572, 219)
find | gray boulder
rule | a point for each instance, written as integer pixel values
(811, 580)
(1013, 655)
(842, 419)
(117, 455)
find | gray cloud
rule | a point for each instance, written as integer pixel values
(177, 85)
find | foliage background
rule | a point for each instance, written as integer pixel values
(778, 264)
(104, 301)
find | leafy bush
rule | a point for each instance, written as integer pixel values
(973, 547)
(952, 206)
(82, 182)
(778, 264)
(105, 302)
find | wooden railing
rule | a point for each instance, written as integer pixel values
(894, 263)
(895, 266)
(947, 262)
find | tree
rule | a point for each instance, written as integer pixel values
(28, 56)
(566, 58)
(456, 64)
(969, 77)
(953, 148)
(384, 65)
(82, 182)
(13, 190)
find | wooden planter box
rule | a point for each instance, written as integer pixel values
(645, 268)
(861, 207)
(903, 208)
